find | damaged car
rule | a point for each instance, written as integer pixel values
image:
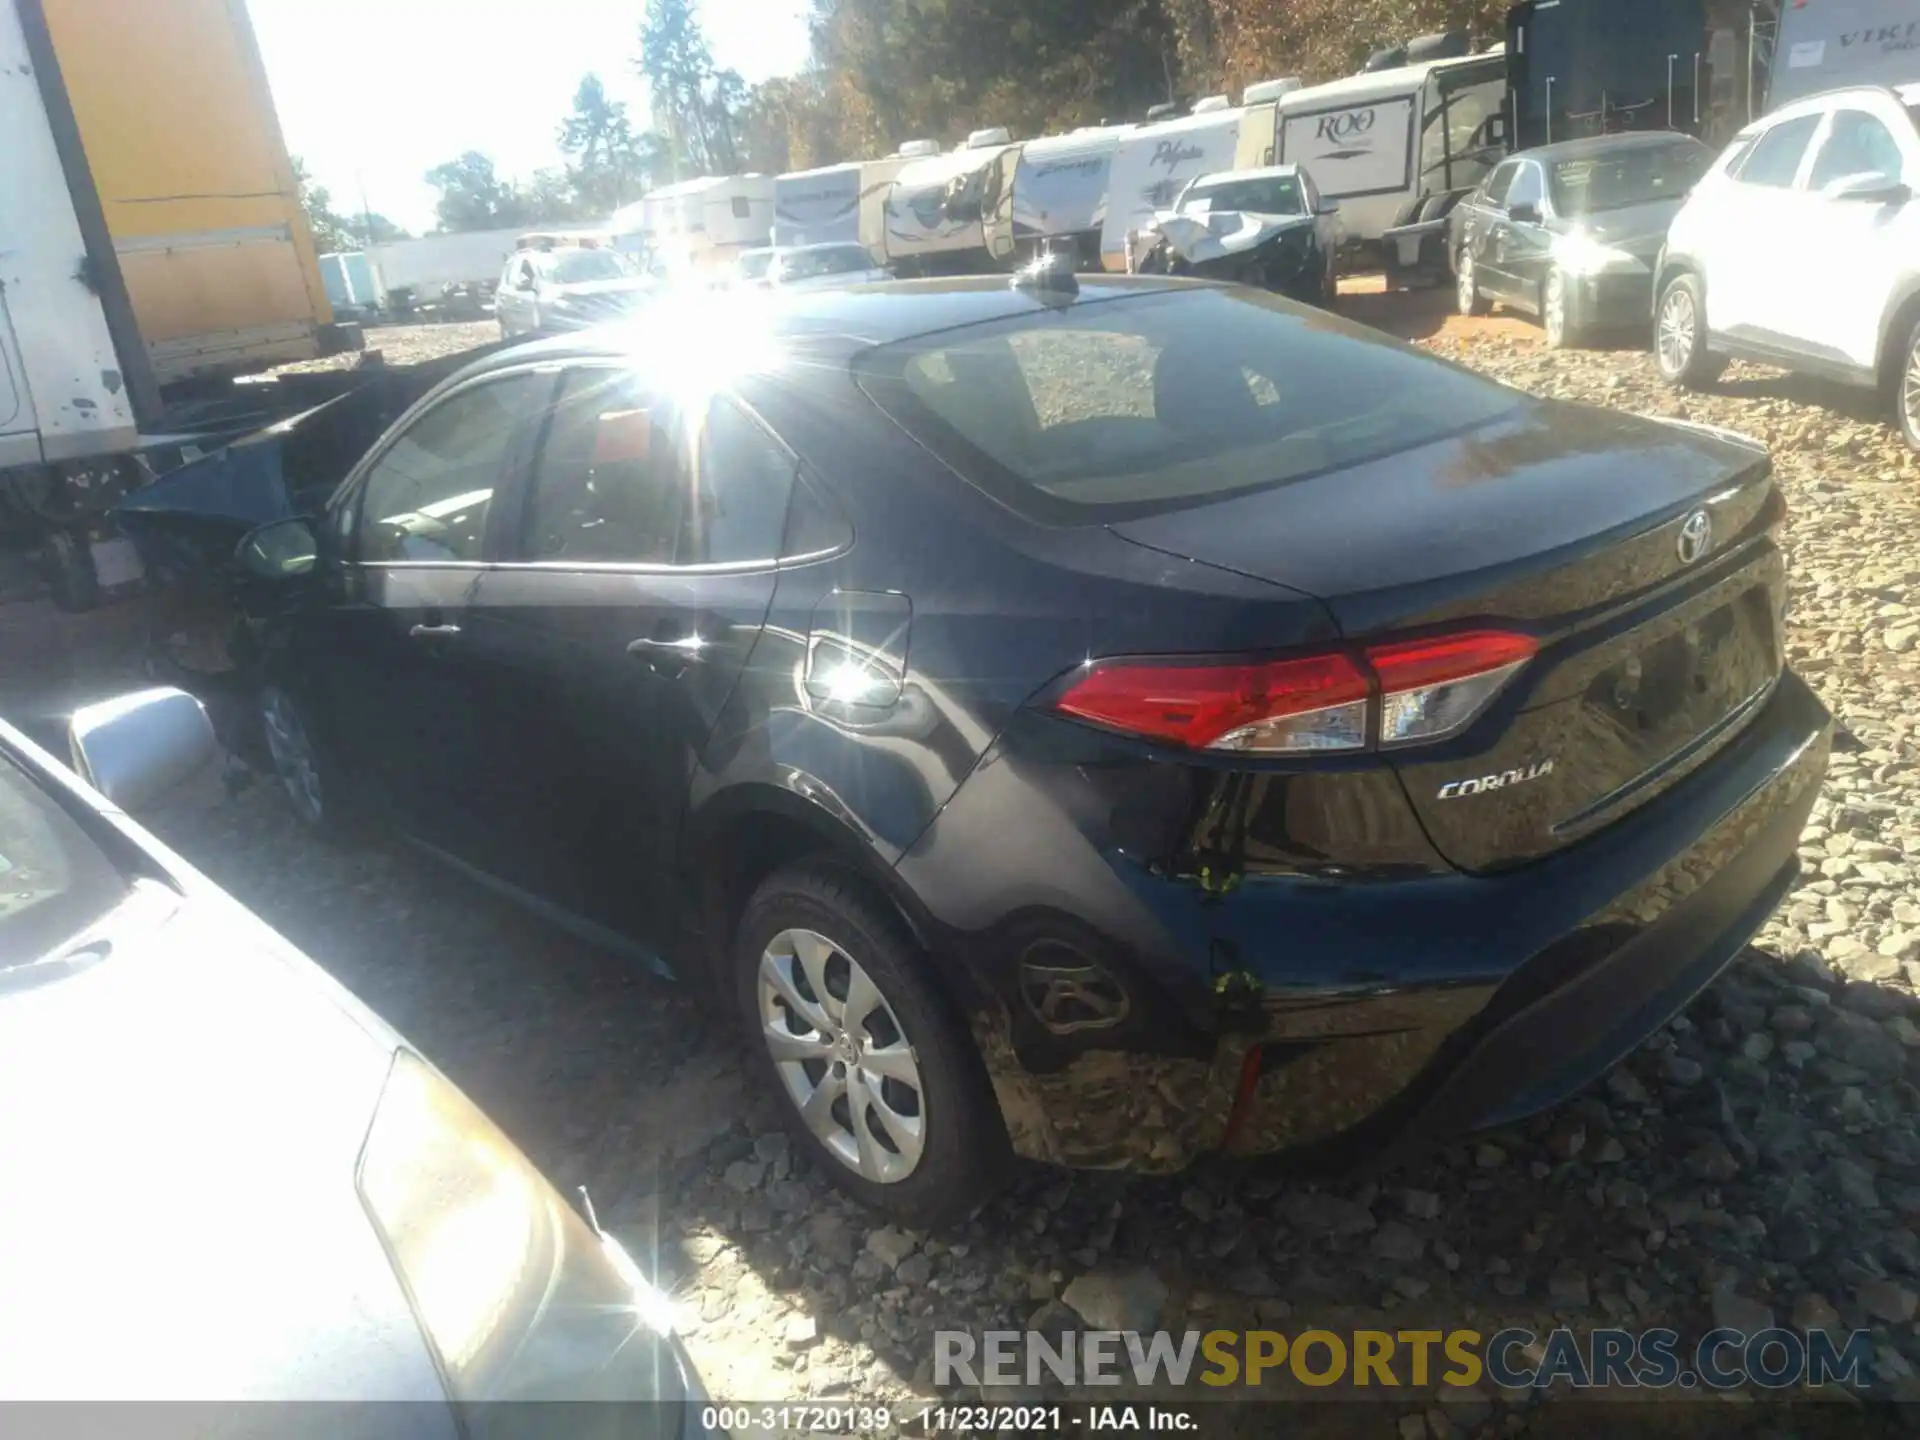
(1268, 228)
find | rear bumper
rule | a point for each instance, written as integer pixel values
(1342, 1024)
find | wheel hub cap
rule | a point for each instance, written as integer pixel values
(1676, 332)
(1910, 396)
(842, 1056)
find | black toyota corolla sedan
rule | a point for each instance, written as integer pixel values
(1108, 721)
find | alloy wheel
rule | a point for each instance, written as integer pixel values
(294, 760)
(1678, 332)
(1910, 392)
(842, 1056)
(1555, 308)
(1469, 290)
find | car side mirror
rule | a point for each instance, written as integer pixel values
(278, 550)
(1524, 214)
(135, 748)
(1327, 207)
(1872, 188)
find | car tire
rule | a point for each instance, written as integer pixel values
(1556, 313)
(932, 1146)
(1467, 286)
(1906, 391)
(67, 558)
(317, 790)
(1680, 336)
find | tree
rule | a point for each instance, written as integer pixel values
(331, 232)
(374, 228)
(608, 165)
(472, 196)
(678, 68)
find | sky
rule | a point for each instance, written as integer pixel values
(374, 93)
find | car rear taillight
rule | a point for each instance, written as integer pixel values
(1427, 690)
(1430, 689)
(1318, 702)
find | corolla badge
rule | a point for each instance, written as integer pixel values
(1459, 789)
(1696, 537)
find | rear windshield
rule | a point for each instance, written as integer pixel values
(1636, 176)
(1101, 411)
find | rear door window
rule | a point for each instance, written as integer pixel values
(1774, 161)
(1113, 409)
(1857, 144)
(626, 477)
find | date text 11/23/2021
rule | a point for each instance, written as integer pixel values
(811, 1419)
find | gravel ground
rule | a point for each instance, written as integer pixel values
(409, 344)
(1756, 1161)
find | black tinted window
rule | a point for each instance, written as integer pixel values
(429, 494)
(743, 482)
(1145, 404)
(1527, 188)
(1775, 158)
(624, 477)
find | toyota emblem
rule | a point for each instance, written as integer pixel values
(1696, 537)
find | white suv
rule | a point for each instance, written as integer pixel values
(1801, 248)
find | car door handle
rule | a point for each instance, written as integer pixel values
(668, 657)
(432, 632)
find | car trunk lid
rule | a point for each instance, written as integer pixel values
(1579, 528)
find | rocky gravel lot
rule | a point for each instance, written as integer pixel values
(1756, 1162)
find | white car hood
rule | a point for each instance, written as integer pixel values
(180, 1119)
(1220, 233)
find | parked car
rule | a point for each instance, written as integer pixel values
(1110, 720)
(1801, 248)
(816, 267)
(751, 268)
(1266, 227)
(274, 1195)
(1572, 232)
(567, 287)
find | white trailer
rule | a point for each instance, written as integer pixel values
(425, 269)
(1825, 44)
(1381, 145)
(704, 223)
(1060, 188)
(952, 212)
(817, 207)
(1153, 164)
(65, 395)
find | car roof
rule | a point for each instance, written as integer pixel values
(1594, 147)
(820, 245)
(841, 322)
(1822, 100)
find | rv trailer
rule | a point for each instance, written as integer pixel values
(951, 214)
(1060, 191)
(1825, 44)
(817, 207)
(1393, 148)
(1153, 164)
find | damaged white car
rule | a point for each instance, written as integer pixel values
(1269, 228)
